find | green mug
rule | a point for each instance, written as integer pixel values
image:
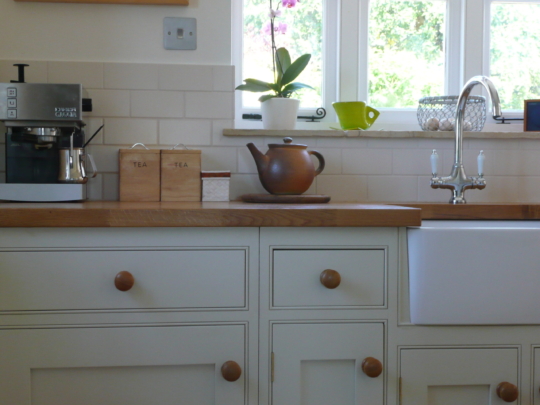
(355, 114)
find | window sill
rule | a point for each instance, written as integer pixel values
(317, 133)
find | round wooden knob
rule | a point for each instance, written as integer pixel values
(330, 278)
(124, 281)
(372, 367)
(231, 371)
(508, 392)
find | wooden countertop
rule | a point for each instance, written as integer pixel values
(204, 214)
(494, 211)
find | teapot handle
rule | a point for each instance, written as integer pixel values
(321, 161)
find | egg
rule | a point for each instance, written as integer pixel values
(467, 126)
(431, 124)
(447, 124)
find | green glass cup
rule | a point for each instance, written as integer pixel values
(355, 114)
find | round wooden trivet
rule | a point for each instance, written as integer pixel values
(286, 199)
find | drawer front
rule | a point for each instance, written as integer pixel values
(296, 278)
(85, 280)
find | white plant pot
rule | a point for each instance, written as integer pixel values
(279, 113)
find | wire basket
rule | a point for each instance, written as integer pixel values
(438, 113)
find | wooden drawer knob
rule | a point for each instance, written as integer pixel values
(124, 281)
(372, 367)
(506, 391)
(231, 371)
(330, 278)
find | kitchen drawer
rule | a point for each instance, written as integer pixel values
(296, 277)
(190, 279)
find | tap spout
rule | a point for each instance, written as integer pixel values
(458, 181)
(460, 110)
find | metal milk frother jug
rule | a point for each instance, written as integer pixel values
(72, 165)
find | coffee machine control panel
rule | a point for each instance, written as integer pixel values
(40, 102)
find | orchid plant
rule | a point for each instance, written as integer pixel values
(285, 71)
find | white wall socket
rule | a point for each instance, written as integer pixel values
(179, 33)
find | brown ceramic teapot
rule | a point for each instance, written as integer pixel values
(286, 168)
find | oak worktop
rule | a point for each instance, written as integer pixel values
(204, 214)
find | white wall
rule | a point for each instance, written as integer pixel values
(111, 33)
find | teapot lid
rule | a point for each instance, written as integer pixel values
(287, 144)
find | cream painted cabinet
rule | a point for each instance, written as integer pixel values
(142, 365)
(466, 376)
(324, 308)
(179, 329)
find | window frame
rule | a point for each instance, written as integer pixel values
(330, 65)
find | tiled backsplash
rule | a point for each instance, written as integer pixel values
(163, 105)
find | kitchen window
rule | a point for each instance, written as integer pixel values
(513, 51)
(392, 52)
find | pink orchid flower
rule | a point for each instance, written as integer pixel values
(289, 3)
(274, 13)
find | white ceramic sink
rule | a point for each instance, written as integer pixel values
(474, 272)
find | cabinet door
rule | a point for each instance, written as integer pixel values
(449, 376)
(321, 363)
(163, 365)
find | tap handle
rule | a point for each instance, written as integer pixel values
(481, 159)
(434, 162)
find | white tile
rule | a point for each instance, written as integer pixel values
(224, 158)
(434, 143)
(127, 131)
(223, 78)
(367, 161)
(245, 184)
(106, 157)
(134, 76)
(157, 104)
(343, 188)
(36, 72)
(188, 132)
(342, 142)
(470, 162)
(186, 77)
(498, 189)
(516, 163)
(479, 144)
(215, 105)
(391, 143)
(109, 103)
(393, 188)
(246, 162)
(89, 74)
(529, 189)
(94, 188)
(413, 161)
(92, 125)
(110, 187)
(219, 140)
(332, 159)
(428, 194)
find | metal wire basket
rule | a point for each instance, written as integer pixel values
(438, 113)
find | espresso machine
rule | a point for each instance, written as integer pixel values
(45, 140)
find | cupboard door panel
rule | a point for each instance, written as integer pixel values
(468, 376)
(166, 365)
(321, 363)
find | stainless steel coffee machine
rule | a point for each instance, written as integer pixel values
(45, 140)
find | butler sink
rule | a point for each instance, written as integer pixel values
(474, 272)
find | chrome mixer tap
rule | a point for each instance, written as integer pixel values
(458, 181)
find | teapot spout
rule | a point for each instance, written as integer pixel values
(260, 160)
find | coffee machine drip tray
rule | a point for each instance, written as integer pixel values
(42, 192)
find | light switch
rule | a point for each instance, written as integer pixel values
(179, 33)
